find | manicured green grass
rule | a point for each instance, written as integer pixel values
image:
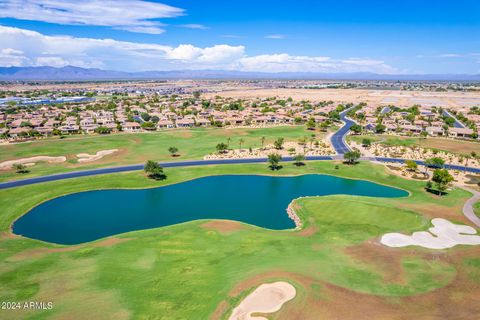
(139, 147)
(184, 271)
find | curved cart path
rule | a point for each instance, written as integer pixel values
(468, 210)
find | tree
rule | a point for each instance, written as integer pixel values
(311, 124)
(356, 128)
(411, 165)
(380, 128)
(298, 160)
(274, 160)
(442, 179)
(222, 147)
(196, 94)
(154, 170)
(102, 130)
(173, 151)
(20, 168)
(240, 142)
(366, 142)
(352, 157)
(435, 162)
(148, 125)
(278, 144)
(145, 116)
(429, 185)
(263, 141)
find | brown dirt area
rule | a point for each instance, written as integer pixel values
(38, 252)
(320, 300)
(455, 146)
(223, 226)
(372, 97)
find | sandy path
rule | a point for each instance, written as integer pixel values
(8, 164)
(442, 235)
(85, 157)
(267, 298)
(468, 210)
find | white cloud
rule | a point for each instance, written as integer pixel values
(20, 47)
(12, 58)
(288, 63)
(450, 55)
(130, 15)
(275, 36)
(194, 26)
(232, 36)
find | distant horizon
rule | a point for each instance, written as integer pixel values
(240, 71)
(407, 38)
(72, 73)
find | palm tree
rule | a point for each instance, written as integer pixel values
(228, 142)
(312, 140)
(274, 159)
(263, 141)
(467, 157)
(240, 142)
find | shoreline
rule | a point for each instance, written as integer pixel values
(293, 215)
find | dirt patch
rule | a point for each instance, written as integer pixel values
(220, 310)
(432, 210)
(181, 134)
(223, 226)
(39, 252)
(389, 261)
(307, 232)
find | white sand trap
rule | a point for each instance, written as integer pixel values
(85, 157)
(267, 298)
(30, 161)
(442, 235)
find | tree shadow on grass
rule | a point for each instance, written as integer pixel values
(273, 168)
(436, 192)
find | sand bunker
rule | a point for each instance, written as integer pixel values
(85, 157)
(31, 161)
(442, 235)
(267, 298)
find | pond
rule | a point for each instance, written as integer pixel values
(254, 199)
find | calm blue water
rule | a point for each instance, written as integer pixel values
(257, 200)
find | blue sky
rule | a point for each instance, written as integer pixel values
(271, 36)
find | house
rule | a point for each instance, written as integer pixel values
(69, 128)
(434, 131)
(460, 132)
(185, 123)
(16, 132)
(202, 122)
(45, 130)
(131, 127)
(165, 124)
(411, 128)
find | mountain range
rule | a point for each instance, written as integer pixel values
(84, 74)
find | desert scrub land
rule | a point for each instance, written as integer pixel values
(138, 147)
(441, 144)
(202, 269)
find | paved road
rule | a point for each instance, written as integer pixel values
(338, 138)
(468, 207)
(456, 124)
(93, 172)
